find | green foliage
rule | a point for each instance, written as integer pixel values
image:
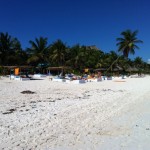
(38, 51)
(1, 69)
(127, 43)
(58, 53)
(10, 50)
(77, 57)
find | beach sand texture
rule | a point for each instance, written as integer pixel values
(64, 116)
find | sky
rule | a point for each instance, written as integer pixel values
(84, 22)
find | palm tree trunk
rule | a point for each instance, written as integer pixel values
(110, 67)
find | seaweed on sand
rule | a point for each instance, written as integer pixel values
(27, 92)
(9, 111)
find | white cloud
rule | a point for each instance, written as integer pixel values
(148, 61)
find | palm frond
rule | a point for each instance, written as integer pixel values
(127, 43)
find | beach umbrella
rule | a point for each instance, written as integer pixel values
(132, 69)
(117, 68)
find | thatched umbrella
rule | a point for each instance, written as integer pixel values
(117, 68)
(60, 68)
(12, 68)
(100, 70)
(21, 67)
(132, 69)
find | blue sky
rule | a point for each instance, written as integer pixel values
(87, 22)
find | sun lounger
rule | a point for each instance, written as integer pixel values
(39, 76)
(94, 80)
(59, 80)
(78, 81)
(19, 78)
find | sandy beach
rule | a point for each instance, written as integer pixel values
(64, 116)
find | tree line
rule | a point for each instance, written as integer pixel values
(42, 54)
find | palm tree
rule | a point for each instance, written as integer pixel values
(111, 59)
(127, 43)
(38, 51)
(124, 63)
(58, 52)
(73, 56)
(138, 62)
(92, 56)
(8, 49)
(78, 57)
(21, 57)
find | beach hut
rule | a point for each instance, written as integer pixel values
(102, 70)
(15, 71)
(132, 69)
(117, 70)
(58, 70)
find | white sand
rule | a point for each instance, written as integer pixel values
(59, 116)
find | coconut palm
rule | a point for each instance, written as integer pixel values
(127, 43)
(111, 57)
(110, 60)
(138, 62)
(73, 56)
(5, 42)
(92, 56)
(8, 49)
(38, 51)
(101, 63)
(58, 52)
(5, 46)
(124, 62)
(78, 57)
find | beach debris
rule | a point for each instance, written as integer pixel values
(12, 110)
(52, 101)
(27, 92)
(34, 106)
(120, 90)
(32, 102)
(9, 111)
(107, 90)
